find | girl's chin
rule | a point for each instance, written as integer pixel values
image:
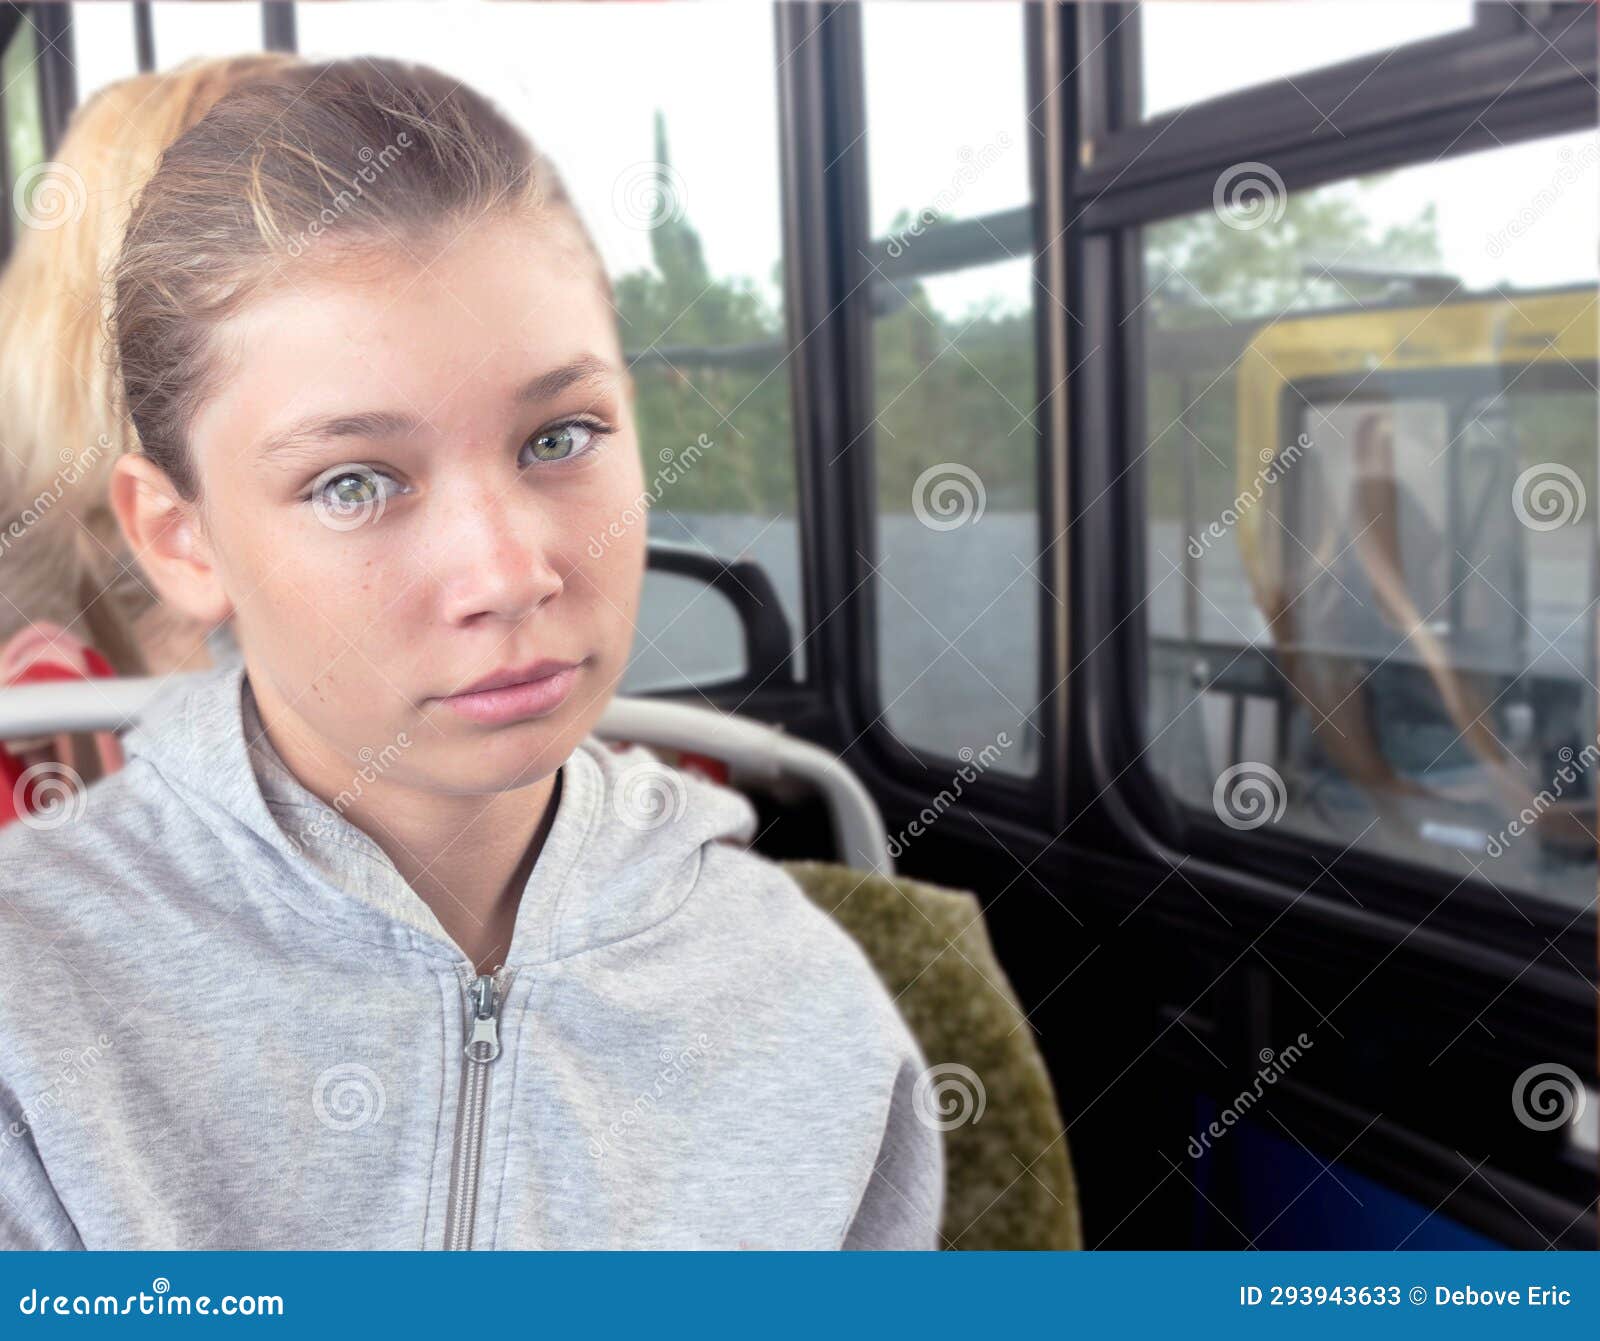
(487, 767)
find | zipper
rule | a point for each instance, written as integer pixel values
(485, 993)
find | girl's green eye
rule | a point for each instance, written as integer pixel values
(561, 443)
(348, 496)
(351, 490)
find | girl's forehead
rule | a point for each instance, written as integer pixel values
(506, 271)
(490, 286)
(459, 330)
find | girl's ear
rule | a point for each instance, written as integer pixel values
(163, 532)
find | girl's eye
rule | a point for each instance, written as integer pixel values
(563, 442)
(347, 490)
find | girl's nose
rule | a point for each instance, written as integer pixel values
(495, 555)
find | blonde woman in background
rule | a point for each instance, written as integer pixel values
(63, 564)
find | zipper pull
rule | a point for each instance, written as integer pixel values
(485, 1019)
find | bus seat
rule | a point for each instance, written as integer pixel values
(756, 754)
(1009, 1181)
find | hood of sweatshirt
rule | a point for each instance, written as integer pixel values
(622, 853)
(227, 1022)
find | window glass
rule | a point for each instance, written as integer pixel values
(185, 29)
(678, 182)
(24, 118)
(954, 433)
(695, 638)
(1251, 44)
(920, 140)
(1370, 421)
(103, 47)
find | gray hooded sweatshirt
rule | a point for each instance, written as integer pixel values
(227, 1022)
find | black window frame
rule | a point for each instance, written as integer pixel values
(1298, 107)
(1405, 106)
(830, 257)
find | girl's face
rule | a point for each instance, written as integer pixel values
(415, 477)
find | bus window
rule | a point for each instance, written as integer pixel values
(24, 121)
(679, 184)
(954, 436)
(185, 29)
(700, 639)
(1371, 433)
(1250, 46)
(104, 48)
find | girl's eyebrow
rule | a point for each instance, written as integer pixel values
(547, 386)
(376, 424)
(309, 433)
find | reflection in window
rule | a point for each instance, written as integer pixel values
(1247, 45)
(1371, 422)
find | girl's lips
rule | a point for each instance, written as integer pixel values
(516, 702)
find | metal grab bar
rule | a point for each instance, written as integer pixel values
(753, 748)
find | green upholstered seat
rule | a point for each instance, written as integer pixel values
(1009, 1180)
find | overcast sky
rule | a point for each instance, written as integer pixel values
(585, 80)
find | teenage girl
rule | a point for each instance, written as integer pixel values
(371, 944)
